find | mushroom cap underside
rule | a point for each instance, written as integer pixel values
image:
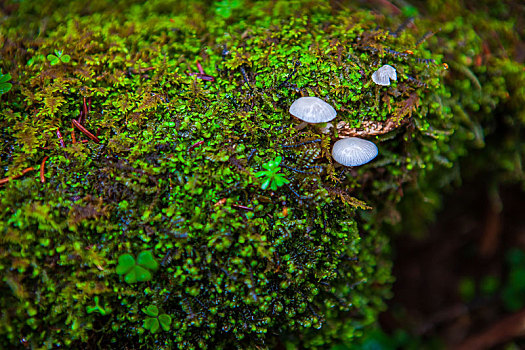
(312, 110)
(383, 75)
(354, 151)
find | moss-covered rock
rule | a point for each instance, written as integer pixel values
(151, 138)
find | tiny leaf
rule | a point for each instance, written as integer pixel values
(165, 322)
(141, 274)
(147, 260)
(5, 87)
(151, 310)
(266, 183)
(131, 276)
(125, 263)
(152, 324)
(4, 78)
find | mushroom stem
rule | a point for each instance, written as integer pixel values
(301, 126)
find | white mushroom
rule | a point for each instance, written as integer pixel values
(326, 129)
(354, 151)
(312, 110)
(383, 75)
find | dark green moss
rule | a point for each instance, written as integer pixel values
(175, 171)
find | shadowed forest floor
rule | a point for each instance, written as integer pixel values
(452, 283)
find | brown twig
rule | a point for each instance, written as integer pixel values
(242, 207)
(9, 178)
(42, 178)
(85, 131)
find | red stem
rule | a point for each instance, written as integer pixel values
(192, 147)
(242, 207)
(199, 67)
(42, 178)
(7, 179)
(73, 135)
(85, 109)
(85, 132)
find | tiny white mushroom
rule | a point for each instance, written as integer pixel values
(354, 151)
(312, 110)
(383, 75)
(326, 129)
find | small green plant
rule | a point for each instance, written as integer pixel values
(58, 57)
(271, 176)
(137, 271)
(97, 308)
(36, 58)
(155, 320)
(4, 85)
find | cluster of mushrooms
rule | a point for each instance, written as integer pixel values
(351, 151)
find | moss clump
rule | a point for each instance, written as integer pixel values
(173, 170)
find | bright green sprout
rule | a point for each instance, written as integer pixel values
(271, 176)
(4, 85)
(102, 310)
(152, 323)
(139, 271)
(36, 58)
(57, 57)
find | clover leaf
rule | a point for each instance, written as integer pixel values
(4, 85)
(137, 271)
(97, 308)
(271, 176)
(58, 57)
(155, 320)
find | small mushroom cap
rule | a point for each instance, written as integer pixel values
(383, 75)
(354, 151)
(312, 110)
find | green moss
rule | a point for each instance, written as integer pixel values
(175, 171)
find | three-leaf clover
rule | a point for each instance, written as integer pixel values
(58, 57)
(138, 271)
(97, 308)
(152, 323)
(4, 85)
(271, 176)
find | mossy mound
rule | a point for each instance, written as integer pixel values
(158, 205)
